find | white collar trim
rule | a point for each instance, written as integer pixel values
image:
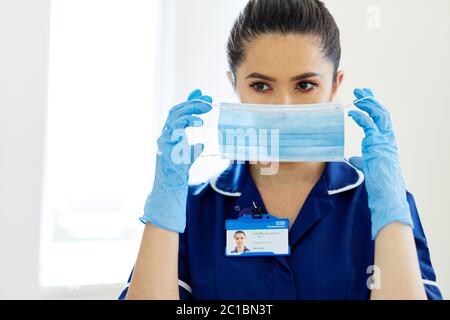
(350, 186)
(213, 183)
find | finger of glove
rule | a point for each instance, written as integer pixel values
(380, 118)
(364, 93)
(174, 132)
(189, 109)
(369, 91)
(364, 121)
(186, 121)
(195, 94)
(376, 111)
(183, 104)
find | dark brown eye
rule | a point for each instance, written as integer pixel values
(305, 86)
(259, 86)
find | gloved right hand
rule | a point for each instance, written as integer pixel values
(166, 204)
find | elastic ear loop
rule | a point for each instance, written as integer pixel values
(356, 101)
(218, 106)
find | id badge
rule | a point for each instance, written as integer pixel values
(249, 236)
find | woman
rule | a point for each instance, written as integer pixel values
(239, 238)
(353, 234)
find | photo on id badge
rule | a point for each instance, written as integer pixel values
(267, 236)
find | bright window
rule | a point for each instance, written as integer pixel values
(103, 75)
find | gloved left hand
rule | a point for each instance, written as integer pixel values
(380, 164)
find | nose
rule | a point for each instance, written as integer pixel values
(287, 99)
(285, 96)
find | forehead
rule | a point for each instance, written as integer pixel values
(284, 55)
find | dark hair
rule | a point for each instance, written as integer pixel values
(305, 17)
(239, 232)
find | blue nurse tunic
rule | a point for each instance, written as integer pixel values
(331, 247)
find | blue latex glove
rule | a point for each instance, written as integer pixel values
(166, 204)
(380, 164)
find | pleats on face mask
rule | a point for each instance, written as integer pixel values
(275, 133)
(281, 133)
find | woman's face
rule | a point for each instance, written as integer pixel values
(285, 69)
(239, 239)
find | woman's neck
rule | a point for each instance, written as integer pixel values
(289, 174)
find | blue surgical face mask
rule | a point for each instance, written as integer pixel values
(282, 133)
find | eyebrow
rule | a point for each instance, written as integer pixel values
(296, 78)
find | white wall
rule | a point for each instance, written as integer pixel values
(406, 62)
(24, 27)
(24, 36)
